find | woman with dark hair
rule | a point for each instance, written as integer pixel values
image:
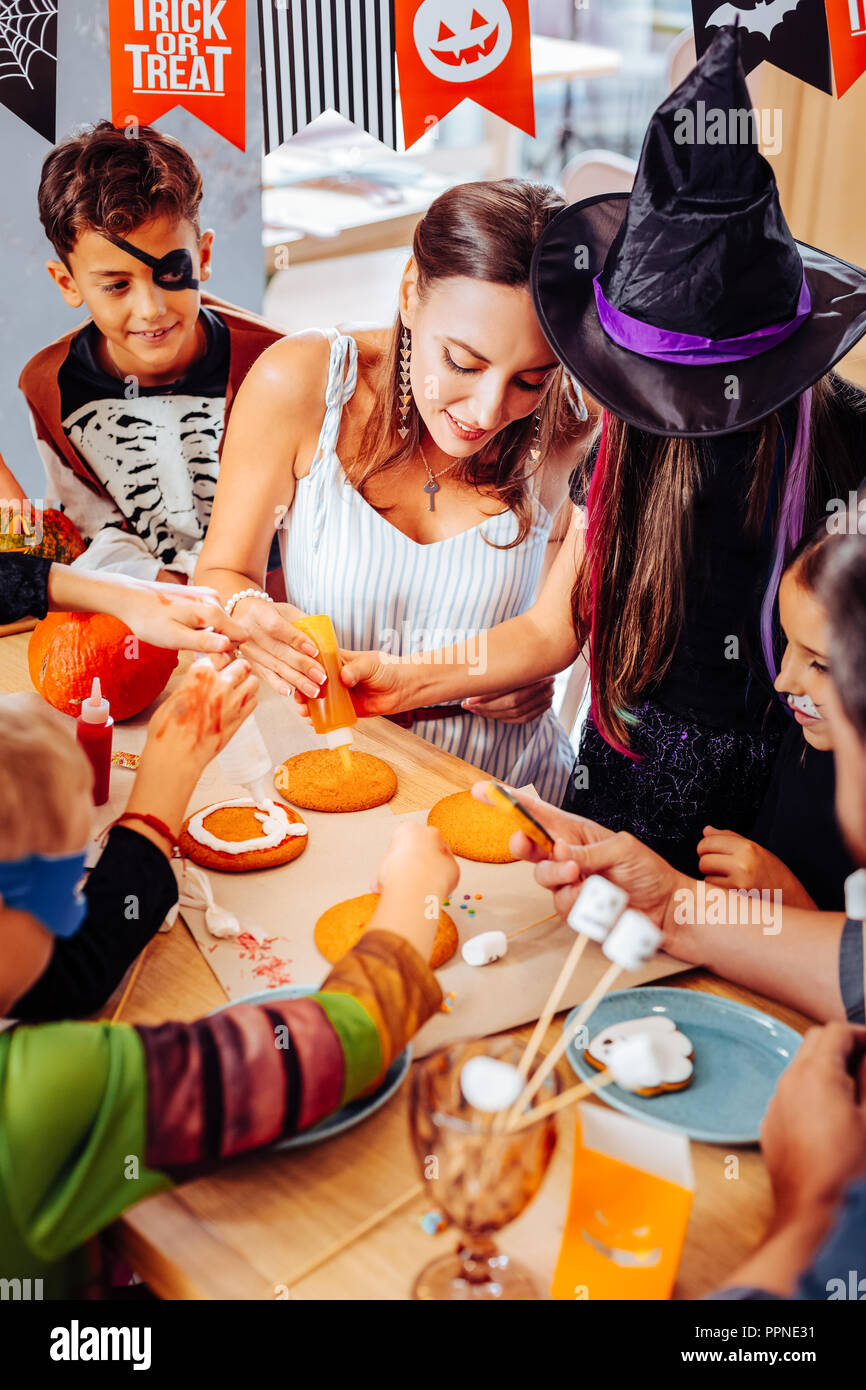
(414, 474)
(709, 335)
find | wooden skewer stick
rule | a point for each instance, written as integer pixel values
(575, 1093)
(520, 930)
(569, 966)
(557, 1050)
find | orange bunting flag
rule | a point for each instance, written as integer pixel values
(448, 50)
(190, 53)
(846, 20)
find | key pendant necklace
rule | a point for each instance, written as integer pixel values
(431, 487)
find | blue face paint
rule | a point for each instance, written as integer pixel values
(45, 886)
(171, 272)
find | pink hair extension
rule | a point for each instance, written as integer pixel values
(596, 487)
(789, 527)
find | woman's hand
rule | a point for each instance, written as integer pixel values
(729, 860)
(809, 1163)
(379, 684)
(516, 707)
(276, 650)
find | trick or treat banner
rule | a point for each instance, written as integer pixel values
(448, 50)
(28, 62)
(790, 34)
(327, 54)
(189, 53)
(847, 21)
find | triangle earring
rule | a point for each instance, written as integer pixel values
(535, 447)
(404, 391)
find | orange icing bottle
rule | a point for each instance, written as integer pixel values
(332, 711)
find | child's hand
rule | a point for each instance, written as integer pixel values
(201, 715)
(188, 729)
(729, 860)
(418, 856)
(417, 872)
(172, 615)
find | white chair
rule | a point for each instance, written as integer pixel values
(597, 171)
(682, 56)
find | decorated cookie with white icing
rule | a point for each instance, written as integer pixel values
(646, 1055)
(238, 835)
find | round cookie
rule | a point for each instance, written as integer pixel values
(237, 822)
(472, 829)
(673, 1048)
(319, 781)
(341, 926)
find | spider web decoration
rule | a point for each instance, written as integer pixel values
(28, 62)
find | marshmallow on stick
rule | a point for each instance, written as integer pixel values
(592, 915)
(635, 1063)
(489, 946)
(631, 944)
(488, 1084)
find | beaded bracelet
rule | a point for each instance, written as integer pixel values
(246, 593)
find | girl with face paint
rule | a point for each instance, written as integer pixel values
(796, 824)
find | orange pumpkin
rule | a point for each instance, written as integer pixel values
(67, 650)
(49, 534)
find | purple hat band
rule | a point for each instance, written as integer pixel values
(687, 348)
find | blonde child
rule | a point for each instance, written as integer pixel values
(77, 1099)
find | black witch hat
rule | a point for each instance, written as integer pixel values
(686, 307)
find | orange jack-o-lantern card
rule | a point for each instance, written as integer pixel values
(631, 1194)
(451, 49)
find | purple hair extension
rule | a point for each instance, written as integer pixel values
(789, 527)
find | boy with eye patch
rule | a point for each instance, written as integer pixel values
(129, 410)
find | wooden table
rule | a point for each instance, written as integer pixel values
(339, 1220)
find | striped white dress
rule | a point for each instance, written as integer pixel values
(384, 591)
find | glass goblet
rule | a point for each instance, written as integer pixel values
(481, 1176)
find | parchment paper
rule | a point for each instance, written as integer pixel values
(339, 862)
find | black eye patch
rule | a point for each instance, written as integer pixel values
(171, 272)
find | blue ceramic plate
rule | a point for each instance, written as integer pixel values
(352, 1114)
(740, 1054)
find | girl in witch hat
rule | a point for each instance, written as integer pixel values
(708, 334)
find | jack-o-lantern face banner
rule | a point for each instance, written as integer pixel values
(448, 50)
(190, 53)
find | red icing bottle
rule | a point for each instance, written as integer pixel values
(94, 731)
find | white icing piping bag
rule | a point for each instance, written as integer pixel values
(195, 891)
